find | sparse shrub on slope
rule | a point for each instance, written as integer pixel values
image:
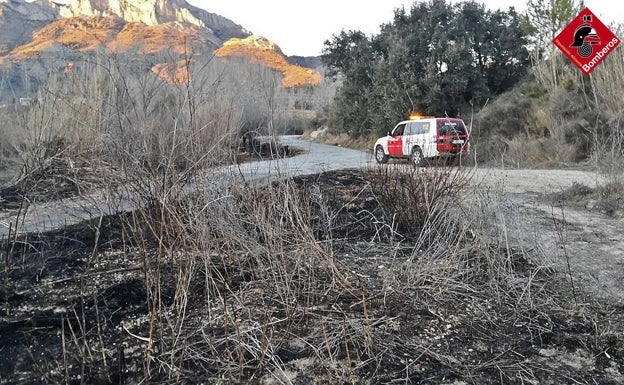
(532, 126)
(607, 198)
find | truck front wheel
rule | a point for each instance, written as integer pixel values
(380, 155)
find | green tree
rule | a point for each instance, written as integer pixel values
(544, 19)
(350, 56)
(438, 58)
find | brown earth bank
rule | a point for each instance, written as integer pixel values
(369, 276)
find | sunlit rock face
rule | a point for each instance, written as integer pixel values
(154, 12)
(260, 50)
(149, 12)
(23, 23)
(19, 18)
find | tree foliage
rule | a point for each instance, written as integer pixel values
(438, 58)
(544, 19)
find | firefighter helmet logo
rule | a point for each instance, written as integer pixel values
(584, 37)
(586, 41)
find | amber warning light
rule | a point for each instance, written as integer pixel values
(418, 117)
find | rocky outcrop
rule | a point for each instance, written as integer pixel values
(87, 34)
(37, 32)
(262, 51)
(155, 12)
(20, 19)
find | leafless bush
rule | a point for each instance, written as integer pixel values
(413, 196)
(607, 198)
(608, 147)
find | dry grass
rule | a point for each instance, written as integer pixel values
(311, 280)
(542, 152)
(320, 279)
(607, 198)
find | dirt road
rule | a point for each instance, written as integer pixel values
(590, 241)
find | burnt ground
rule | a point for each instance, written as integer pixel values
(324, 279)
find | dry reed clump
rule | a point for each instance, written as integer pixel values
(252, 269)
(550, 152)
(414, 196)
(51, 155)
(260, 278)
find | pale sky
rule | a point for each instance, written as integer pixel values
(300, 28)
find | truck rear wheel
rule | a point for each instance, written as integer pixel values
(416, 157)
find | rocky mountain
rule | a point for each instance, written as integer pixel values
(155, 12)
(307, 61)
(260, 50)
(31, 31)
(21, 19)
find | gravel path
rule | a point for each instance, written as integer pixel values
(590, 241)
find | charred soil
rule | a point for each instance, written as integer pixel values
(314, 280)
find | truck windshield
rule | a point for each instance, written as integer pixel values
(451, 127)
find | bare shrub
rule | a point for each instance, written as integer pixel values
(413, 196)
(608, 147)
(292, 281)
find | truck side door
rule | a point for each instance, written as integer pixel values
(395, 141)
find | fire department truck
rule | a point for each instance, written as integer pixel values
(424, 137)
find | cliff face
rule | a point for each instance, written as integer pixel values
(19, 19)
(155, 12)
(262, 51)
